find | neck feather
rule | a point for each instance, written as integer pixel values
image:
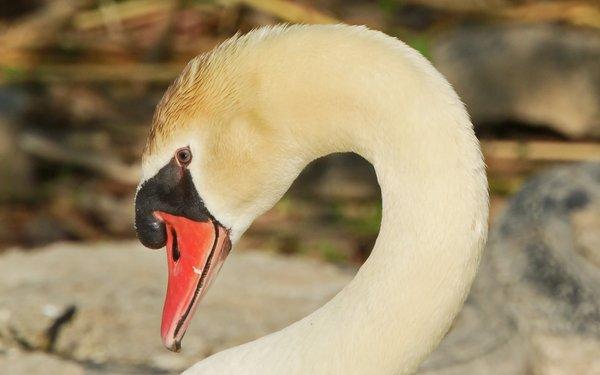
(411, 125)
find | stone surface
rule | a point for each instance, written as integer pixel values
(565, 354)
(535, 305)
(534, 253)
(18, 362)
(104, 302)
(540, 75)
(534, 308)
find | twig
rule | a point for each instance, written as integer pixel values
(541, 150)
(37, 30)
(112, 21)
(574, 12)
(120, 12)
(71, 218)
(47, 149)
(91, 73)
(287, 11)
(577, 12)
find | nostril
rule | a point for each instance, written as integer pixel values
(175, 253)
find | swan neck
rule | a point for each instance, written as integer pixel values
(434, 224)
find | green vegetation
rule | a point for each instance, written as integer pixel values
(331, 253)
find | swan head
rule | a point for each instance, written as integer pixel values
(213, 162)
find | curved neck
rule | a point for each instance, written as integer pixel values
(411, 125)
(434, 224)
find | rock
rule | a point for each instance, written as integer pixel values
(101, 304)
(483, 340)
(17, 362)
(535, 305)
(534, 254)
(544, 75)
(565, 355)
(587, 237)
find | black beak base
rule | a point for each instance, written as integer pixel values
(172, 191)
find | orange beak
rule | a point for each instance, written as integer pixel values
(195, 252)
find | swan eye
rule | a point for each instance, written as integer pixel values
(184, 156)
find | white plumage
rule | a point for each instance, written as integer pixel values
(262, 106)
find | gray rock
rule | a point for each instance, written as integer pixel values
(537, 260)
(101, 305)
(535, 305)
(18, 362)
(540, 75)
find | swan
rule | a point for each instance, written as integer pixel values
(236, 128)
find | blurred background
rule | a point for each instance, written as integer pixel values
(79, 81)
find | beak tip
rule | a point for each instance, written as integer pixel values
(173, 345)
